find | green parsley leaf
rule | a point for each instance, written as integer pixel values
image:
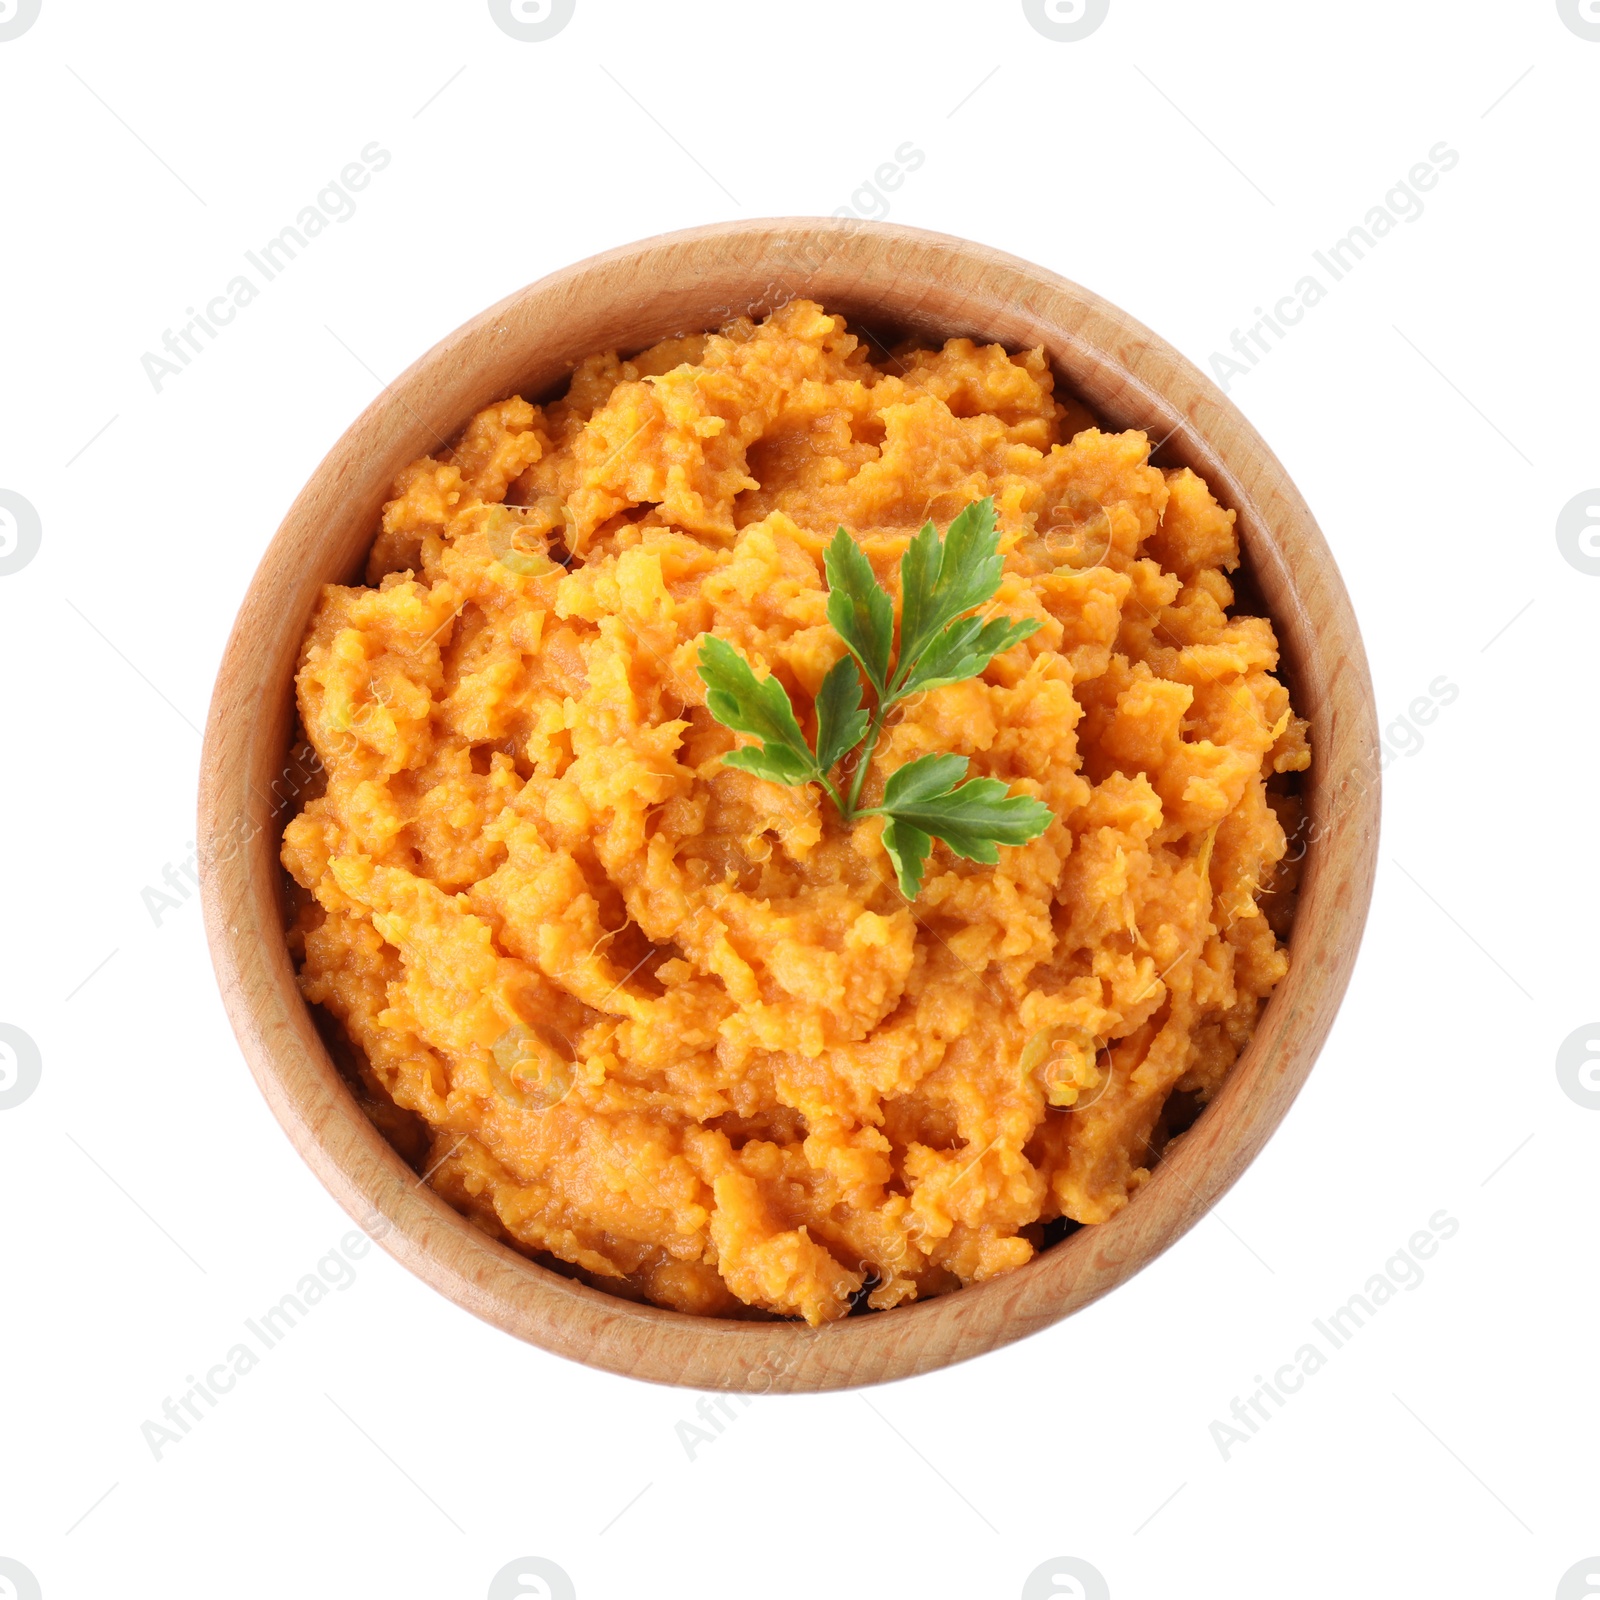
(841, 721)
(921, 779)
(908, 848)
(942, 578)
(925, 797)
(963, 650)
(772, 762)
(738, 699)
(860, 610)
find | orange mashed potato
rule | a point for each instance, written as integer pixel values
(673, 1029)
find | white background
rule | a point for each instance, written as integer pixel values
(1437, 409)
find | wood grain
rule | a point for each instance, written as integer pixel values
(898, 280)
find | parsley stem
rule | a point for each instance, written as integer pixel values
(868, 745)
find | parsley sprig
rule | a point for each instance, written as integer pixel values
(943, 639)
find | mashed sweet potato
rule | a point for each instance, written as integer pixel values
(675, 1027)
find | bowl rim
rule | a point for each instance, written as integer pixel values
(927, 282)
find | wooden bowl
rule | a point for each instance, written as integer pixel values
(887, 278)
